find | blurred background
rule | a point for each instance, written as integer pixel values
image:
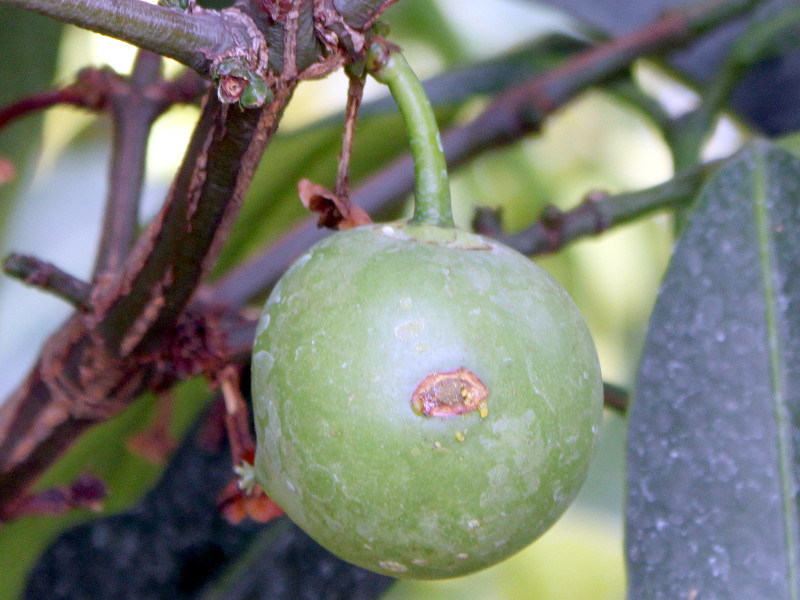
(596, 143)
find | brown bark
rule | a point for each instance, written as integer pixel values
(142, 327)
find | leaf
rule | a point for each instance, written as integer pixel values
(102, 452)
(714, 443)
(174, 544)
(24, 72)
(334, 212)
(768, 96)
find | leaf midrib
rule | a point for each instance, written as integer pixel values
(781, 410)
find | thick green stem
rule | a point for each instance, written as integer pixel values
(432, 187)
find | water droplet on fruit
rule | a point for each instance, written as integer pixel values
(393, 566)
(263, 323)
(409, 329)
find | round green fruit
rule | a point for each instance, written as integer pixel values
(426, 400)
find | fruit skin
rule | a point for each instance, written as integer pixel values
(344, 340)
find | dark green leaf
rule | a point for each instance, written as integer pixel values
(769, 96)
(23, 72)
(103, 453)
(714, 438)
(175, 545)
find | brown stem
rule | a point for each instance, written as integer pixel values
(58, 402)
(92, 90)
(144, 331)
(186, 88)
(180, 245)
(237, 417)
(89, 91)
(195, 39)
(79, 380)
(42, 101)
(133, 114)
(49, 278)
(523, 109)
(598, 212)
(85, 492)
(355, 92)
(615, 398)
(77, 383)
(135, 105)
(511, 116)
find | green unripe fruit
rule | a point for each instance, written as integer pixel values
(426, 400)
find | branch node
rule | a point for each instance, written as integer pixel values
(593, 203)
(488, 220)
(85, 492)
(552, 220)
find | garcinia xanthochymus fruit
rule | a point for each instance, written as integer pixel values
(426, 400)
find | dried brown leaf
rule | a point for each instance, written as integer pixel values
(334, 212)
(237, 505)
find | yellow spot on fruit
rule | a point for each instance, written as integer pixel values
(483, 409)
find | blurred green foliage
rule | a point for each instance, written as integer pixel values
(24, 72)
(595, 143)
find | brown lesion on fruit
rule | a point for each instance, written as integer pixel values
(450, 393)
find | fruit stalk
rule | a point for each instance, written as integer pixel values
(432, 204)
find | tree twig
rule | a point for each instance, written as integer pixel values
(616, 398)
(522, 110)
(133, 115)
(237, 417)
(135, 103)
(195, 38)
(85, 492)
(158, 279)
(687, 135)
(511, 116)
(600, 211)
(49, 278)
(144, 331)
(355, 92)
(89, 91)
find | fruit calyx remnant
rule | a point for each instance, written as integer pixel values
(440, 236)
(450, 393)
